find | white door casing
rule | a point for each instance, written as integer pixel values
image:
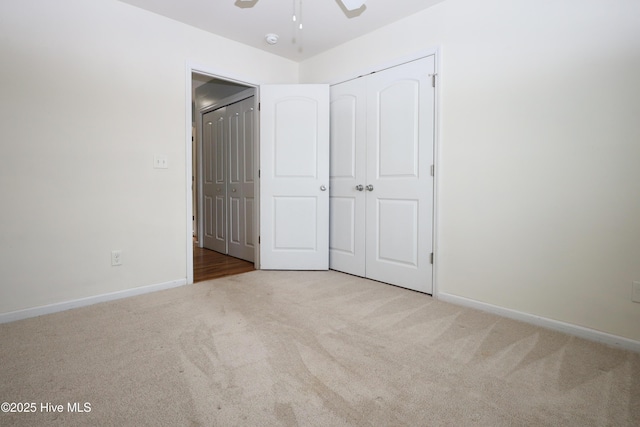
(294, 177)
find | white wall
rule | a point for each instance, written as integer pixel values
(540, 151)
(90, 91)
(540, 187)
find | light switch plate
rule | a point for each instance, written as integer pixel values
(160, 162)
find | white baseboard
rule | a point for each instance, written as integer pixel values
(67, 305)
(543, 322)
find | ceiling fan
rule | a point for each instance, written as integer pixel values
(350, 5)
(272, 38)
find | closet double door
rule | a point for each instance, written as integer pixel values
(381, 183)
(228, 179)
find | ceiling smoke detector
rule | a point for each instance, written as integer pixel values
(271, 38)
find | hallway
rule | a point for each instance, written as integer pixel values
(208, 264)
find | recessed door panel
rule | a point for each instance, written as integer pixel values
(207, 151)
(398, 134)
(219, 144)
(248, 123)
(343, 136)
(397, 232)
(209, 215)
(296, 138)
(235, 147)
(249, 218)
(220, 220)
(288, 211)
(235, 226)
(342, 233)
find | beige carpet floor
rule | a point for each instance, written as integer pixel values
(312, 349)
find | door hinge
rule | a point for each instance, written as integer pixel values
(259, 106)
(258, 239)
(431, 257)
(433, 79)
(433, 170)
(258, 173)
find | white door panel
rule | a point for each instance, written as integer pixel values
(209, 219)
(294, 165)
(342, 231)
(241, 183)
(214, 183)
(400, 132)
(396, 131)
(249, 207)
(235, 223)
(296, 138)
(248, 181)
(348, 170)
(398, 245)
(286, 211)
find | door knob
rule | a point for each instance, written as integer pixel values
(323, 188)
(233, 189)
(359, 187)
(369, 187)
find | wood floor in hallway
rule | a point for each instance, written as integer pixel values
(208, 264)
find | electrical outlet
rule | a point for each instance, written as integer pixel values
(116, 257)
(635, 293)
(160, 162)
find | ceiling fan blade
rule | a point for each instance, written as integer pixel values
(352, 4)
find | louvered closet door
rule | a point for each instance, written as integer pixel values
(398, 186)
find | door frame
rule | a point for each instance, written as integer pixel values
(233, 77)
(230, 77)
(437, 123)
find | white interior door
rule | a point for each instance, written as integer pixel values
(214, 168)
(400, 138)
(382, 136)
(240, 189)
(348, 176)
(294, 168)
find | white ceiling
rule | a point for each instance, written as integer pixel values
(326, 23)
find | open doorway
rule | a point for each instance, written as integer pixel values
(224, 212)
